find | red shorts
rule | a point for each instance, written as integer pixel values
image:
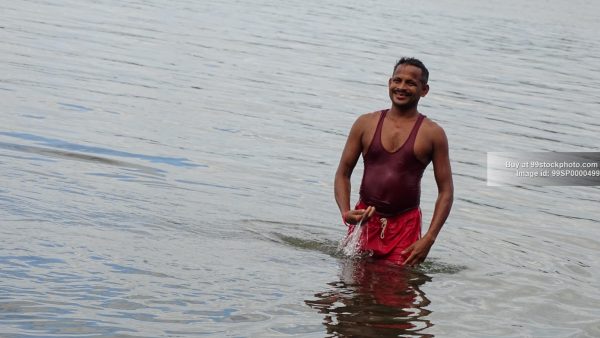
(386, 238)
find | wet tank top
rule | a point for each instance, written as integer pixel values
(392, 180)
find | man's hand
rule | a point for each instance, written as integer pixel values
(417, 252)
(356, 216)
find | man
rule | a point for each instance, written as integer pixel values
(396, 144)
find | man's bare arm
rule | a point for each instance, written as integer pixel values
(342, 185)
(443, 177)
(445, 185)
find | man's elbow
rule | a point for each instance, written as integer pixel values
(343, 172)
(447, 196)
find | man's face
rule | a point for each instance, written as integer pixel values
(405, 86)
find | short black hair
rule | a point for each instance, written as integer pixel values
(414, 62)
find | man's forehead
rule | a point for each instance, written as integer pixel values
(408, 70)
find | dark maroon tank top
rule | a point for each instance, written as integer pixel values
(392, 180)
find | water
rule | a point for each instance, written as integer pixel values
(350, 244)
(167, 168)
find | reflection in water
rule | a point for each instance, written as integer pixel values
(374, 299)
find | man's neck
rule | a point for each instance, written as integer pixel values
(403, 113)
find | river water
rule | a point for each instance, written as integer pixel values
(167, 168)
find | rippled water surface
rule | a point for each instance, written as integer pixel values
(167, 168)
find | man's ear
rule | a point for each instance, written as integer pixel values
(425, 90)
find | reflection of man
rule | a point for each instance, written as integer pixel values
(397, 144)
(374, 299)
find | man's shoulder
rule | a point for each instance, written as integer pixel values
(369, 117)
(432, 126)
(372, 115)
(432, 129)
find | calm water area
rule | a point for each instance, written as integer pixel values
(167, 168)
